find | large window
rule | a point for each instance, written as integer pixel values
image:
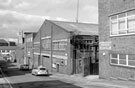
(59, 45)
(123, 59)
(46, 44)
(122, 24)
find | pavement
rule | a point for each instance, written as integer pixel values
(88, 81)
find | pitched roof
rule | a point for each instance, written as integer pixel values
(78, 28)
(3, 41)
(8, 47)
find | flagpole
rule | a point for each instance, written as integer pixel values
(77, 14)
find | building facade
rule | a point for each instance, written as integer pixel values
(28, 48)
(55, 46)
(8, 50)
(117, 40)
(37, 50)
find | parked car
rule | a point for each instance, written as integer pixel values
(40, 71)
(24, 67)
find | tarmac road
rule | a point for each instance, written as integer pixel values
(24, 79)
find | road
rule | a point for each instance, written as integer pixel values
(24, 79)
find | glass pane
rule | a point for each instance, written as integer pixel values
(122, 31)
(131, 24)
(131, 63)
(122, 56)
(114, 55)
(114, 61)
(123, 62)
(62, 47)
(122, 24)
(55, 46)
(114, 28)
(131, 57)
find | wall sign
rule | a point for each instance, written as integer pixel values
(105, 45)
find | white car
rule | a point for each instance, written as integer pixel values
(40, 71)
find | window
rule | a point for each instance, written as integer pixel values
(114, 28)
(46, 44)
(61, 45)
(55, 45)
(114, 58)
(3, 51)
(122, 59)
(131, 60)
(122, 28)
(131, 24)
(122, 24)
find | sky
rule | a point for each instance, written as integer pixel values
(29, 15)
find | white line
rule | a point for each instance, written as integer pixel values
(6, 79)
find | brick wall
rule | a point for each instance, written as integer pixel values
(121, 44)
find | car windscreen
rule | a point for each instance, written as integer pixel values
(42, 69)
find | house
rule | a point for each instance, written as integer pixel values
(7, 49)
(67, 47)
(3, 42)
(117, 39)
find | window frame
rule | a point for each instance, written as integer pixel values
(60, 45)
(117, 19)
(118, 58)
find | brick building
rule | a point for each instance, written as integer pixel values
(117, 39)
(28, 48)
(7, 49)
(66, 47)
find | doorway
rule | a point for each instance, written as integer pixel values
(57, 66)
(85, 54)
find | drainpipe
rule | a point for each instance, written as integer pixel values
(51, 48)
(32, 50)
(41, 62)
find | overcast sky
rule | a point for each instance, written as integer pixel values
(28, 15)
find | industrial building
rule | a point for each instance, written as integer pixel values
(67, 47)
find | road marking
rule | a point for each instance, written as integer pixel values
(6, 79)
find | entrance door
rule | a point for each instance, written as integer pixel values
(94, 62)
(79, 66)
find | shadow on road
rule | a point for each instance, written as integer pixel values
(45, 84)
(14, 71)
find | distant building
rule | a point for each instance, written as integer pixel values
(7, 49)
(8, 52)
(3, 42)
(117, 39)
(28, 48)
(67, 47)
